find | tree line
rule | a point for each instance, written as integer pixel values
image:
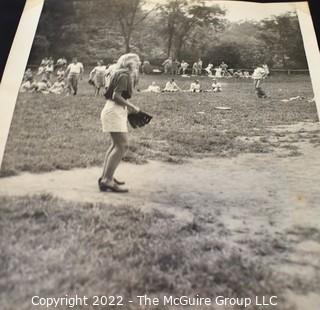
(183, 29)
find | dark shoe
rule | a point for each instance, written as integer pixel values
(111, 187)
(102, 186)
(116, 188)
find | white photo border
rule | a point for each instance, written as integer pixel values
(15, 66)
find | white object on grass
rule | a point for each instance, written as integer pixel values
(222, 108)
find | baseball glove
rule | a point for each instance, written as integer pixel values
(91, 82)
(139, 119)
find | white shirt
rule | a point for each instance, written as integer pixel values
(259, 73)
(266, 69)
(216, 86)
(153, 89)
(75, 68)
(42, 86)
(26, 86)
(194, 87)
(218, 72)
(171, 86)
(57, 85)
(60, 73)
(185, 65)
(98, 70)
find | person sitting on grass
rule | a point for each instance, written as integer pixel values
(28, 86)
(49, 69)
(153, 88)
(41, 71)
(195, 87)
(58, 86)
(216, 86)
(238, 74)
(43, 86)
(246, 74)
(171, 86)
(28, 74)
(60, 73)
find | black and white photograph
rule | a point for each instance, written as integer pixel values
(162, 154)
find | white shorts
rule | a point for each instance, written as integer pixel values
(114, 117)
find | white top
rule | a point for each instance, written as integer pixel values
(98, 70)
(216, 85)
(218, 72)
(184, 65)
(58, 85)
(60, 72)
(61, 61)
(49, 68)
(194, 87)
(75, 68)
(26, 86)
(266, 69)
(259, 73)
(42, 86)
(153, 89)
(171, 86)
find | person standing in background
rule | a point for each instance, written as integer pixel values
(97, 76)
(74, 73)
(200, 64)
(167, 66)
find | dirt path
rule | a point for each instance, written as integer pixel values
(263, 198)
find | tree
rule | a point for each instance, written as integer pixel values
(240, 45)
(129, 14)
(282, 36)
(181, 17)
(56, 13)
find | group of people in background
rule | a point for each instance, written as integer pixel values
(63, 78)
(174, 67)
(55, 78)
(172, 87)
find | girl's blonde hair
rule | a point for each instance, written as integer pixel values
(124, 61)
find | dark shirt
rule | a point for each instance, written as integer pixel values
(120, 83)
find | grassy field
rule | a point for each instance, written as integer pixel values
(235, 245)
(57, 247)
(57, 132)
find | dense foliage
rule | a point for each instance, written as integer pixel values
(183, 29)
